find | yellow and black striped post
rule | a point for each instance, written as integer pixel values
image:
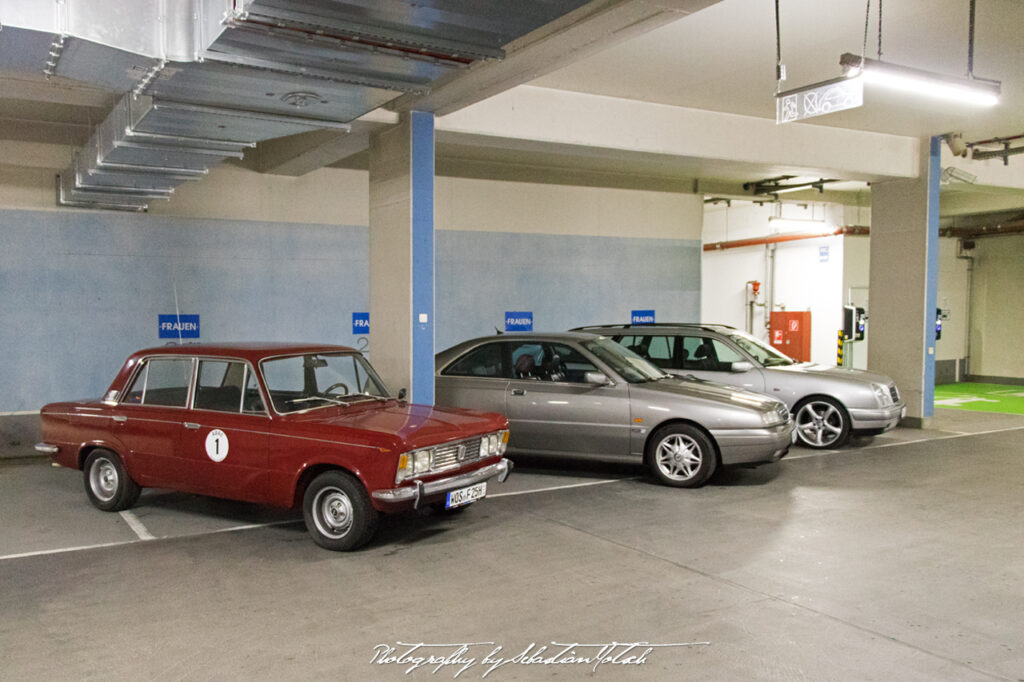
(839, 349)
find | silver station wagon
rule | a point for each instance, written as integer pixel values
(583, 395)
(828, 403)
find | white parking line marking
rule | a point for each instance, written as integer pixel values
(876, 446)
(140, 529)
(82, 548)
(563, 487)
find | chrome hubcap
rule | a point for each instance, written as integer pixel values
(819, 424)
(332, 512)
(103, 479)
(679, 457)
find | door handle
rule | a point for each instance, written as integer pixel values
(120, 418)
(191, 425)
(518, 391)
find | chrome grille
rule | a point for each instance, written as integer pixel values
(447, 455)
(894, 393)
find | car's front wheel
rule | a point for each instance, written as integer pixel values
(821, 422)
(338, 512)
(681, 455)
(107, 483)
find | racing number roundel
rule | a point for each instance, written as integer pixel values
(217, 445)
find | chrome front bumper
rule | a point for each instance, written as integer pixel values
(420, 492)
(884, 418)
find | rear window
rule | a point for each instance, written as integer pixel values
(161, 381)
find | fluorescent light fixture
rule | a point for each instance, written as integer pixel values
(977, 91)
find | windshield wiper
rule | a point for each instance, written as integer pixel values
(318, 397)
(367, 395)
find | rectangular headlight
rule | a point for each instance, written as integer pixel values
(412, 464)
(421, 462)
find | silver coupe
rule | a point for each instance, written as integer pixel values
(582, 395)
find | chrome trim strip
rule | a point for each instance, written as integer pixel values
(46, 448)
(232, 428)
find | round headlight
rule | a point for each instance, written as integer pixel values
(492, 444)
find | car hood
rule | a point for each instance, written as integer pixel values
(707, 390)
(834, 372)
(415, 425)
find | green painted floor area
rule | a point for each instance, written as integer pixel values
(981, 397)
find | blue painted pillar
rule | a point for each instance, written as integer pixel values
(423, 257)
(904, 282)
(402, 255)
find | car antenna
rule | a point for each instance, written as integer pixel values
(498, 331)
(177, 310)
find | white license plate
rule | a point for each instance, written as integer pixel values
(457, 498)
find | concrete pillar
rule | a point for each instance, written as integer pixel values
(903, 283)
(402, 255)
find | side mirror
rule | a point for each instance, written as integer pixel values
(597, 378)
(741, 367)
(401, 394)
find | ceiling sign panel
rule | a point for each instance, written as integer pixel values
(819, 99)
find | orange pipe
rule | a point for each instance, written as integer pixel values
(792, 237)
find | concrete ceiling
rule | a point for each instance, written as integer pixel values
(717, 56)
(723, 59)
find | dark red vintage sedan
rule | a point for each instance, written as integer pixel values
(283, 425)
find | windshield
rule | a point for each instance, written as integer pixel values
(762, 352)
(304, 382)
(626, 363)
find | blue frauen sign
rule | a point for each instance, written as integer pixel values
(178, 326)
(519, 321)
(642, 317)
(360, 323)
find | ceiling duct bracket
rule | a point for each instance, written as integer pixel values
(778, 185)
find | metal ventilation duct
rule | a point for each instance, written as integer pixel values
(206, 79)
(146, 147)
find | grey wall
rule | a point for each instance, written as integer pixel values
(82, 290)
(565, 280)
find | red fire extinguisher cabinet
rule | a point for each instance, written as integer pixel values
(791, 333)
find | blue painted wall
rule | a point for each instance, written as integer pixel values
(566, 281)
(82, 290)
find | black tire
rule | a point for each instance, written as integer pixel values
(821, 422)
(681, 455)
(338, 512)
(107, 484)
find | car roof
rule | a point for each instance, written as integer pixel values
(462, 346)
(252, 351)
(606, 328)
(572, 335)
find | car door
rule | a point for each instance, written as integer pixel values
(706, 357)
(553, 410)
(148, 419)
(476, 380)
(224, 434)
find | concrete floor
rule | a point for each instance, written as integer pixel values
(894, 559)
